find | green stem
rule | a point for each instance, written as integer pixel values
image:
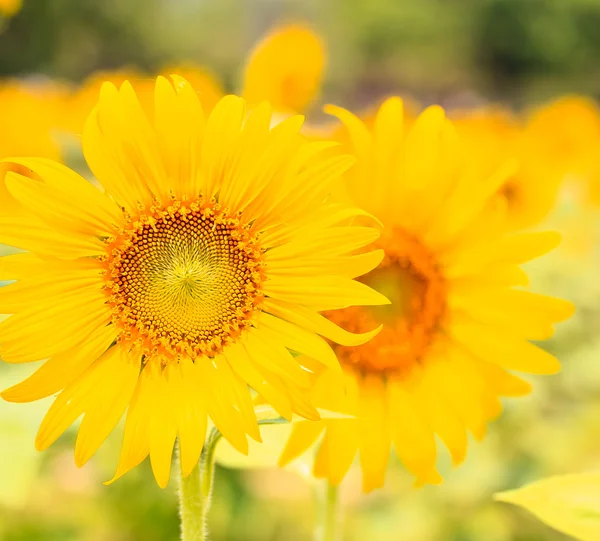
(330, 515)
(195, 492)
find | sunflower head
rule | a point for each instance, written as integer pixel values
(199, 269)
(9, 8)
(285, 68)
(460, 321)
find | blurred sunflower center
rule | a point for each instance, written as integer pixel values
(185, 279)
(409, 277)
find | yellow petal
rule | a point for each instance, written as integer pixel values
(323, 293)
(413, 437)
(190, 416)
(86, 393)
(30, 233)
(374, 439)
(503, 349)
(300, 340)
(53, 199)
(303, 436)
(311, 320)
(136, 438)
(63, 368)
(262, 383)
(102, 416)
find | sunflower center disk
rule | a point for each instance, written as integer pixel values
(409, 277)
(185, 280)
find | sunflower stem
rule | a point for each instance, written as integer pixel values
(328, 528)
(195, 493)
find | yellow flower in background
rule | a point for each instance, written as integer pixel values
(26, 120)
(566, 133)
(9, 8)
(285, 68)
(493, 136)
(195, 274)
(457, 326)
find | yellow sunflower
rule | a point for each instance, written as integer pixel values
(566, 133)
(26, 120)
(79, 103)
(457, 326)
(494, 136)
(198, 270)
(284, 69)
(9, 8)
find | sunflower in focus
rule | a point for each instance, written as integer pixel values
(195, 273)
(494, 136)
(458, 324)
(80, 102)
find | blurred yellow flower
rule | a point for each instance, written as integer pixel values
(493, 136)
(285, 68)
(201, 267)
(26, 120)
(566, 133)
(457, 326)
(9, 8)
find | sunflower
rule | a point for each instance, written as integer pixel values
(79, 102)
(197, 272)
(9, 8)
(457, 325)
(494, 136)
(26, 119)
(285, 69)
(566, 135)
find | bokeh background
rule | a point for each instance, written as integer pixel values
(461, 54)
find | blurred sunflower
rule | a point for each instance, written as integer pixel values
(201, 267)
(566, 134)
(457, 325)
(494, 136)
(26, 120)
(9, 8)
(285, 69)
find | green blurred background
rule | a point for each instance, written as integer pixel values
(513, 50)
(455, 52)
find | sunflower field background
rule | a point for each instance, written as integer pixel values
(506, 70)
